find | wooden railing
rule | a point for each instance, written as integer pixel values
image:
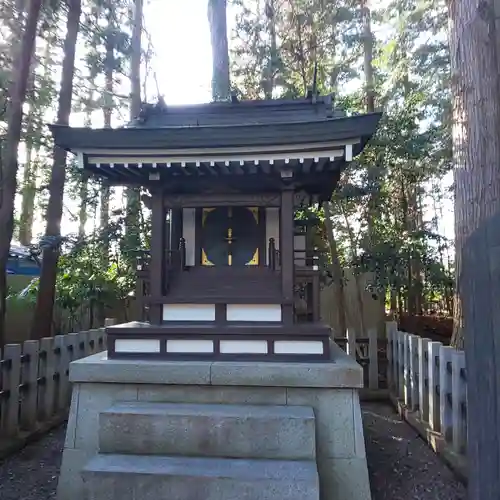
(370, 353)
(34, 389)
(427, 381)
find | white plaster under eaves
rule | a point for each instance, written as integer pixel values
(237, 151)
(196, 157)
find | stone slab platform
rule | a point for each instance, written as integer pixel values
(341, 372)
(330, 388)
(117, 477)
(208, 430)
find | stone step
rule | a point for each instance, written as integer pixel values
(209, 430)
(129, 477)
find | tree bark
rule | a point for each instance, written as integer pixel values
(337, 273)
(133, 194)
(270, 70)
(476, 149)
(368, 58)
(107, 111)
(359, 293)
(221, 83)
(8, 179)
(44, 309)
(135, 62)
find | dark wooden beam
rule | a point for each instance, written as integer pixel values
(286, 252)
(221, 200)
(156, 265)
(176, 227)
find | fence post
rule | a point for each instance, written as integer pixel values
(83, 344)
(401, 366)
(62, 363)
(29, 381)
(406, 369)
(445, 402)
(458, 400)
(92, 340)
(423, 378)
(413, 367)
(47, 371)
(11, 379)
(101, 340)
(390, 327)
(434, 395)
(109, 322)
(373, 358)
(395, 368)
(351, 342)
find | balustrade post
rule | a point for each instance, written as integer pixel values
(390, 328)
(423, 378)
(414, 377)
(401, 373)
(182, 253)
(11, 378)
(445, 391)
(373, 358)
(458, 399)
(29, 394)
(434, 389)
(272, 254)
(47, 369)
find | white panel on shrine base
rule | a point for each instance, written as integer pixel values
(137, 345)
(189, 312)
(298, 347)
(272, 228)
(253, 312)
(188, 233)
(243, 346)
(190, 346)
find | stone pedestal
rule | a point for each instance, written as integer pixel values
(329, 388)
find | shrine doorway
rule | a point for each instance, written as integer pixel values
(232, 236)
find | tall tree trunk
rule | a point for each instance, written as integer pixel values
(336, 271)
(368, 57)
(107, 111)
(475, 53)
(83, 194)
(8, 170)
(221, 83)
(28, 188)
(28, 192)
(359, 292)
(135, 62)
(44, 309)
(133, 194)
(270, 13)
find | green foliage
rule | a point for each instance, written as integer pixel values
(380, 209)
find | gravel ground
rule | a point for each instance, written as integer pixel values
(401, 465)
(32, 473)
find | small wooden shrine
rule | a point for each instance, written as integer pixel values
(226, 256)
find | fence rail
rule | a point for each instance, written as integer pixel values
(428, 380)
(34, 386)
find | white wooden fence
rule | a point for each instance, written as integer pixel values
(34, 388)
(427, 378)
(430, 380)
